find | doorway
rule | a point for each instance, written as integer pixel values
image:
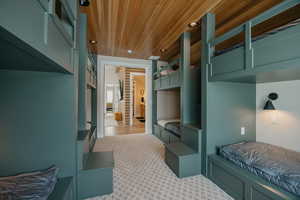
(124, 100)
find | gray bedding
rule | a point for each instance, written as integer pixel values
(174, 127)
(277, 165)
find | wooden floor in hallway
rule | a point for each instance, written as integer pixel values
(113, 127)
(140, 173)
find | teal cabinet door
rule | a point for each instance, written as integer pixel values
(26, 20)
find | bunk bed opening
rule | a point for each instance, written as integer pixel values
(266, 41)
(237, 161)
(168, 111)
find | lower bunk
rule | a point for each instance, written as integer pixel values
(256, 171)
(168, 131)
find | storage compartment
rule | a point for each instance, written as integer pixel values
(168, 104)
(182, 160)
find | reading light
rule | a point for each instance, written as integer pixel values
(129, 51)
(162, 50)
(269, 105)
(84, 2)
(93, 41)
(193, 24)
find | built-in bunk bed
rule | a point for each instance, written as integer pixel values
(176, 119)
(246, 169)
(167, 87)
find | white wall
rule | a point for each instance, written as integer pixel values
(168, 104)
(282, 126)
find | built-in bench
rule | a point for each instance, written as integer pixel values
(167, 137)
(95, 169)
(63, 189)
(182, 160)
(96, 176)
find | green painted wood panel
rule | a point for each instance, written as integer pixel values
(63, 190)
(38, 126)
(26, 20)
(230, 106)
(226, 107)
(58, 48)
(224, 63)
(276, 48)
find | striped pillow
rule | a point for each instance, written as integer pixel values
(36, 185)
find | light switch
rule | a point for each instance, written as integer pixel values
(243, 130)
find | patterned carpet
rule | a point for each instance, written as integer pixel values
(141, 174)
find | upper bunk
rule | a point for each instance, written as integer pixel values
(168, 77)
(271, 56)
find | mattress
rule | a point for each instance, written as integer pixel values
(165, 121)
(171, 125)
(272, 32)
(275, 164)
(174, 127)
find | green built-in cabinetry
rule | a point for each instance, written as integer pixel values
(95, 169)
(47, 29)
(46, 73)
(171, 80)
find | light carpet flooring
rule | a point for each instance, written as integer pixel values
(141, 174)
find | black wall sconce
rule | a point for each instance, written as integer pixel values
(269, 105)
(84, 2)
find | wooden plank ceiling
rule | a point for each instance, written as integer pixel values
(147, 26)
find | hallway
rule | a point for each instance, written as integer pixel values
(113, 127)
(141, 174)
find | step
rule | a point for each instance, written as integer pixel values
(96, 176)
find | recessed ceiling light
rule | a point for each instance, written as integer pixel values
(129, 51)
(193, 24)
(93, 41)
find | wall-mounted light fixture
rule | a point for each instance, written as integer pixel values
(93, 41)
(84, 2)
(269, 103)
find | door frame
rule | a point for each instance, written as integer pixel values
(124, 62)
(132, 74)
